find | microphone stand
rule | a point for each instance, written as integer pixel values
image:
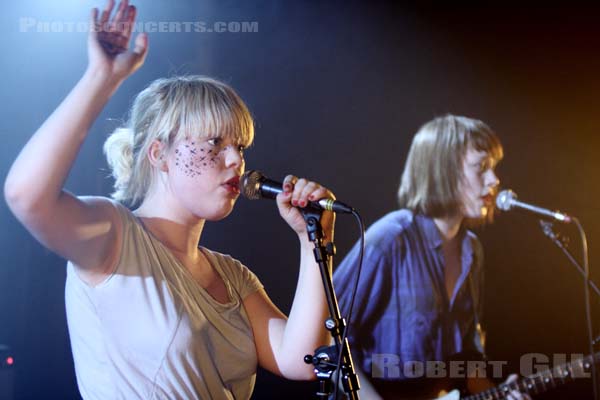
(561, 243)
(585, 272)
(325, 358)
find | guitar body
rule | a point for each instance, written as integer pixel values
(419, 389)
(538, 383)
(453, 395)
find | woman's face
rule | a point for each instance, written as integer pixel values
(204, 175)
(479, 184)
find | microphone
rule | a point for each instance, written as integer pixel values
(254, 185)
(507, 199)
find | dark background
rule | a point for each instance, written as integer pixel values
(338, 89)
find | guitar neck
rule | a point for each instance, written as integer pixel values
(542, 381)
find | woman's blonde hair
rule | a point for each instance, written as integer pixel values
(169, 110)
(433, 170)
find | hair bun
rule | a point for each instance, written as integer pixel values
(118, 149)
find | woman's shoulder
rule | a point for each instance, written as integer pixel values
(110, 216)
(392, 225)
(109, 204)
(242, 278)
(227, 263)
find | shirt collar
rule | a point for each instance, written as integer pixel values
(433, 237)
(429, 230)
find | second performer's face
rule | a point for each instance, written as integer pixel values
(204, 175)
(479, 184)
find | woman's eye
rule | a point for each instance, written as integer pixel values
(214, 141)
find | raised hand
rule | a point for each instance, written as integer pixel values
(109, 39)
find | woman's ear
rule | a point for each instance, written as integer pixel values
(157, 155)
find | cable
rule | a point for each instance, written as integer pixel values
(354, 290)
(588, 313)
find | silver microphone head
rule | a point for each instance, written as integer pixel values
(250, 184)
(504, 199)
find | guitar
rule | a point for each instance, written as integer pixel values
(535, 384)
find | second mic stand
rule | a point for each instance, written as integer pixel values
(325, 358)
(560, 242)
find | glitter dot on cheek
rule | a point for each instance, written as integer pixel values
(216, 158)
(184, 160)
(198, 157)
(213, 161)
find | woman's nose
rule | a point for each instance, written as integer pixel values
(233, 157)
(491, 179)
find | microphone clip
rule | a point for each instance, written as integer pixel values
(547, 229)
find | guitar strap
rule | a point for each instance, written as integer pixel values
(479, 332)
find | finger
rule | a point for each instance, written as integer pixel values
(94, 16)
(93, 23)
(106, 14)
(131, 14)
(309, 188)
(319, 193)
(516, 395)
(118, 18)
(127, 12)
(288, 183)
(298, 188)
(284, 199)
(141, 46)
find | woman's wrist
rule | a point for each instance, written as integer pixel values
(102, 79)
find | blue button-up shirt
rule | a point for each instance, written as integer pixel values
(402, 312)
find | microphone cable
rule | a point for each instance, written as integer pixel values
(352, 298)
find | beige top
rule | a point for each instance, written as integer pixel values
(149, 331)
